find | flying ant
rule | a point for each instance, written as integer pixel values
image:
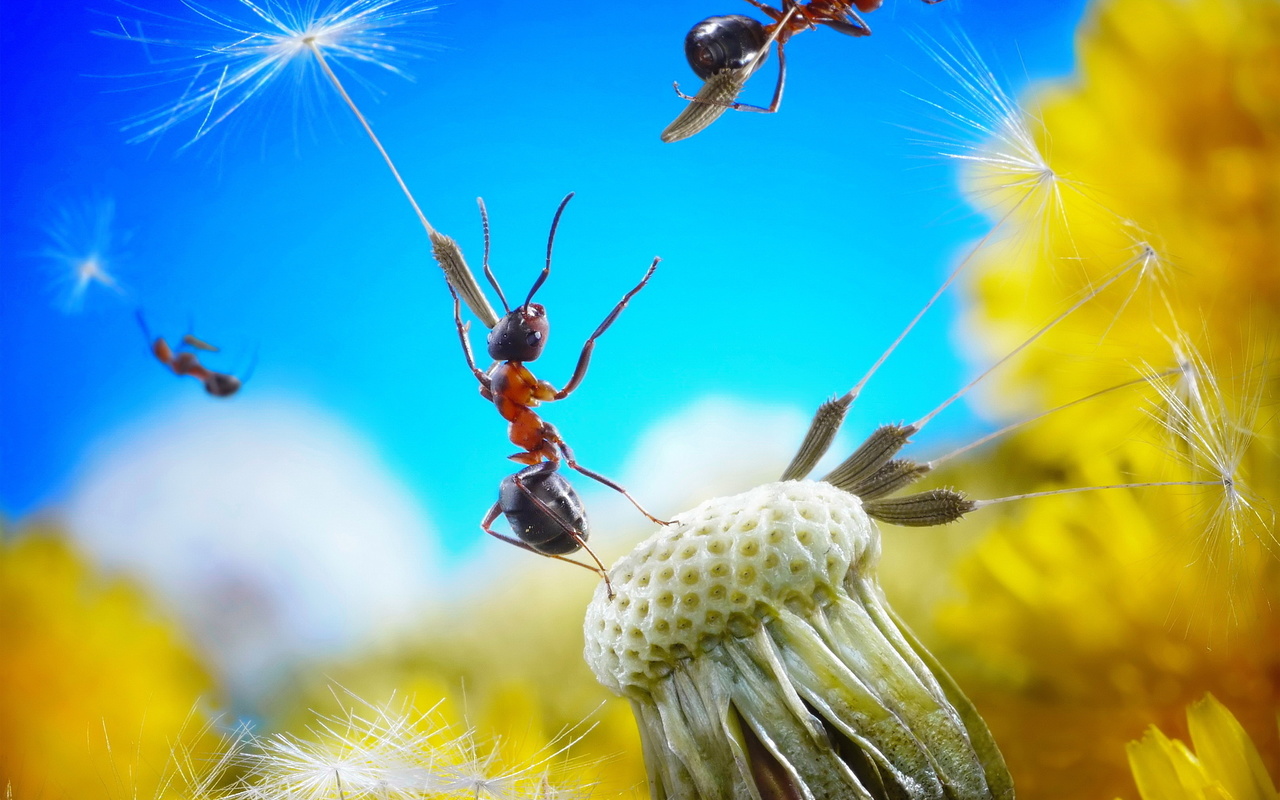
(184, 361)
(725, 50)
(541, 507)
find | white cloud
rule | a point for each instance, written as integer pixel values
(272, 530)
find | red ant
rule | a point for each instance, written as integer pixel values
(540, 505)
(725, 50)
(183, 361)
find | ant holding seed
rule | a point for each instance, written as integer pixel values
(184, 361)
(725, 50)
(540, 505)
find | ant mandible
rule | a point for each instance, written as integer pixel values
(184, 361)
(725, 50)
(540, 505)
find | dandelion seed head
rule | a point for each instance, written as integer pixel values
(224, 59)
(757, 619)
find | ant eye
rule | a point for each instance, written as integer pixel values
(533, 338)
(720, 43)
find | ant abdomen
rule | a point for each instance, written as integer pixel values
(220, 384)
(719, 43)
(547, 514)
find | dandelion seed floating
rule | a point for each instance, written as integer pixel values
(81, 247)
(222, 77)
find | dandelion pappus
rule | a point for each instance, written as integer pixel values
(540, 505)
(725, 50)
(183, 360)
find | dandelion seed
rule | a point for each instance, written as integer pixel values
(388, 752)
(226, 75)
(1215, 433)
(224, 59)
(1003, 162)
(82, 245)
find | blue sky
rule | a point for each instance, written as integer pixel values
(794, 246)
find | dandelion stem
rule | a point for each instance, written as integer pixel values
(1027, 343)
(853, 393)
(1015, 425)
(333, 78)
(1075, 489)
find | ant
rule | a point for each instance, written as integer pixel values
(541, 507)
(725, 50)
(184, 361)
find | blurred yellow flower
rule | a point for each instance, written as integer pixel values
(517, 679)
(1082, 618)
(1224, 766)
(96, 687)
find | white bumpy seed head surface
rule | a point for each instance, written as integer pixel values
(721, 569)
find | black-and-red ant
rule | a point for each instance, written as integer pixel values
(725, 50)
(541, 507)
(184, 361)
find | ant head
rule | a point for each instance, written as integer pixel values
(720, 43)
(221, 385)
(520, 335)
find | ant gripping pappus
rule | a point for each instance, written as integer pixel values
(725, 50)
(541, 507)
(184, 361)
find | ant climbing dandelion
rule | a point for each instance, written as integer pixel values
(540, 505)
(725, 50)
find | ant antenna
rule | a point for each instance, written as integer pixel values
(488, 273)
(555, 222)
(253, 365)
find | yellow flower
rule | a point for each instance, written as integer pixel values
(1081, 619)
(517, 679)
(1224, 766)
(95, 686)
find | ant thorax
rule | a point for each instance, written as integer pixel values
(512, 383)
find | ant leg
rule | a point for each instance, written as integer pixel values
(744, 106)
(584, 360)
(617, 487)
(852, 24)
(463, 327)
(773, 13)
(156, 344)
(782, 79)
(497, 509)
